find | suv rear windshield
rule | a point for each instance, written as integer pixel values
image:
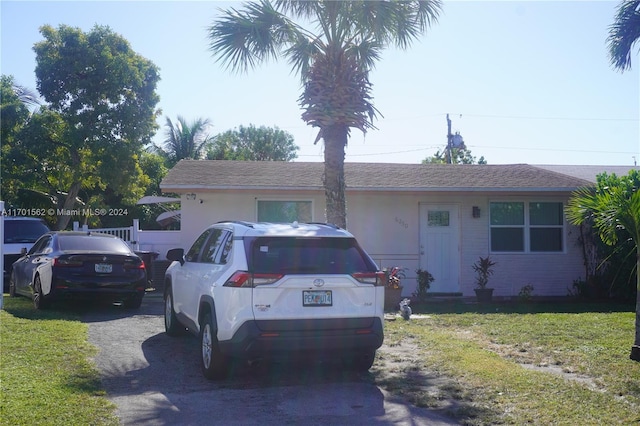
(23, 231)
(305, 255)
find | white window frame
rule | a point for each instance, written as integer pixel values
(527, 227)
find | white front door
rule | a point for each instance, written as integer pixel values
(440, 246)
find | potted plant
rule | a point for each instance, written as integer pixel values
(424, 279)
(484, 269)
(393, 288)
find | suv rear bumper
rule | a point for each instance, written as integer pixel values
(274, 339)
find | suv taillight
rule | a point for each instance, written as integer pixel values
(239, 279)
(375, 278)
(264, 279)
(245, 279)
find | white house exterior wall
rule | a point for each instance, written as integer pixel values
(387, 225)
(237, 205)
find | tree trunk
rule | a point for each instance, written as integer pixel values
(69, 204)
(335, 139)
(635, 349)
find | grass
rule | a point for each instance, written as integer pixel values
(46, 376)
(516, 364)
(561, 364)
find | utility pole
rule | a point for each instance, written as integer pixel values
(449, 141)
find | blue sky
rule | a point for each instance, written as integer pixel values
(523, 82)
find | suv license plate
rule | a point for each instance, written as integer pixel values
(104, 268)
(317, 298)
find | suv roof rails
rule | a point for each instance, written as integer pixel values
(331, 225)
(239, 222)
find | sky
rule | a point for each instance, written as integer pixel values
(522, 82)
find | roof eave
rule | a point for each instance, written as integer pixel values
(179, 188)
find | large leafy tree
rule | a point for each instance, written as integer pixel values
(102, 100)
(254, 144)
(460, 155)
(613, 209)
(184, 140)
(333, 61)
(624, 33)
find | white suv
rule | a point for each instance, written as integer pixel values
(266, 290)
(19, 235)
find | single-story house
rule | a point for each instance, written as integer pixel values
(437, 217)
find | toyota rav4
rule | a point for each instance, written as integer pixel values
(266, 290)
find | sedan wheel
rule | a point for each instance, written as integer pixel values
(133, 302)
(39, 300)
(12, 287)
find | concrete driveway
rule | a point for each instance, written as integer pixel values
(155, 379)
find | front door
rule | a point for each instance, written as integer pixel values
(440, 246)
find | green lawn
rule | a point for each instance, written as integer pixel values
(516, 364)
(490, 364)
(46, 376)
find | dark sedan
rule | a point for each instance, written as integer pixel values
(86, 265)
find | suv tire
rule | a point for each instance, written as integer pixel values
(214, 364)
(362, 361)
(171, 324)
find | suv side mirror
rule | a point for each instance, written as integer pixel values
(176, 255)
(23, 251)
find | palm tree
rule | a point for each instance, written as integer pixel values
(612, 207)
(27, 96)
(184, 140)
(333, 62)
(624, 33)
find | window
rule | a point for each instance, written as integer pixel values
(194, 251)
(438, 218)
(546, 226)
(41, 245)
(526, 227)
(217, 248)
(210, 249)
(308, 255)
(284, 211)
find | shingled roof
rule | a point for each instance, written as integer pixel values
(281, 175)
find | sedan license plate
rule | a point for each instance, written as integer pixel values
(104, 268)
(317, 298)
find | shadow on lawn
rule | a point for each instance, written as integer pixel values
(68, 310)
(520, 307)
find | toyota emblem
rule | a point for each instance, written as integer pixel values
(318, 282)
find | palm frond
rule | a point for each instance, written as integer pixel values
(242, 39)
(624, 34)
(396, 23)
(26, 95)
(301, 52)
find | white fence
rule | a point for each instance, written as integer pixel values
(139, 240)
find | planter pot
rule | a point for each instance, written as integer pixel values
(484, 295)
(392, 298)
